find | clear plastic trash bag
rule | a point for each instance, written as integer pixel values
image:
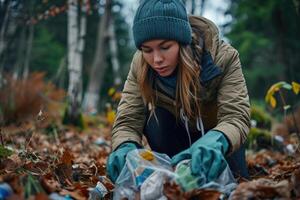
(225, 183)
(145, 173)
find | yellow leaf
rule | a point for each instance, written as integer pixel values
(117, 96)
(274, 88)
(147, 155)
(273, 102)
(111, 91)
(110, 117)
(296, 87)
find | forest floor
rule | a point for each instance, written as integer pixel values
(42, 160)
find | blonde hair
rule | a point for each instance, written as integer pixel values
(188, 82)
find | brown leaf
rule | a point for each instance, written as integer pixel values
(64, 173)
(41, 196)
(203, 194)
(13, 180)
(10, 164)
(15, 197)
(67, 157)
(49, 183)
(173, 191)
(262, 188)
(296, 182)
(37, 168)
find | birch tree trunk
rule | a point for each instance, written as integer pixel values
(73, 65)
(76, 43)
(193, 7)
(91, 98)
(114, 52)
(73, 111)
(202, 7)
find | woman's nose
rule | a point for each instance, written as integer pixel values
(157, 57)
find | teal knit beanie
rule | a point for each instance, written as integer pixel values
(161, 19)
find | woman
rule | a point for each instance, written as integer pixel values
(185, 92)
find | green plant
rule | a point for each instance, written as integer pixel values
(258, 138)
(277, 88)
(4, 152)
(261, 117)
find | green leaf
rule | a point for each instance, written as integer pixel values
(4, 152)
(286, 86)
(286, 107)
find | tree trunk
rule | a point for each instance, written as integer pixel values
(73, 65)
(73, 111)
(7, 32)
(202, 7)
(114, 52)
(2, 31)
(193, 7)
(91, 98)
(59, 78)
(28, 51)
(17, 69)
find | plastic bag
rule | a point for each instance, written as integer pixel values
(145, 173)
(225, 183)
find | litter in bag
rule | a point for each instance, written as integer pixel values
(145, 173)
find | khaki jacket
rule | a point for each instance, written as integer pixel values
(225, 102)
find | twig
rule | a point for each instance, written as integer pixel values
(1, 137)
(294, 119)
(283, 102)
(284, 108)
(32, 132)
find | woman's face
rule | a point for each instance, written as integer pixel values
(161, 55)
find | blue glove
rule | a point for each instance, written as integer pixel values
(116, 160)
(206, 154)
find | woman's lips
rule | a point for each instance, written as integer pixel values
(161, 69)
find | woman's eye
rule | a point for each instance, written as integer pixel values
(165, 48)
(146, 50)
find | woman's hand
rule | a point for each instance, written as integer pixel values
(206, 154)
(116, 160)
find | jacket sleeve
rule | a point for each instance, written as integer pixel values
(233, 102)
(130, 117)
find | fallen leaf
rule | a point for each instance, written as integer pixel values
(262, 188)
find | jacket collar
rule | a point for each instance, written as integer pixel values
(209, 70)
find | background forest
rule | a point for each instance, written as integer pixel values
(63, 65)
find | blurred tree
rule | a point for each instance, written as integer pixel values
(77, 12)
(23, 27)
(266, 34)
(12, 34)
(97, 71)
(114, 51)
(44, 23)
(46, 52)
(125, 52)
(193, 7)
(202, 7)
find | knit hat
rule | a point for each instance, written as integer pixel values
(161, 19)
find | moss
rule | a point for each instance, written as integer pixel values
(4, 152)
(259, 139)
(262, 118)
(75, 119)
